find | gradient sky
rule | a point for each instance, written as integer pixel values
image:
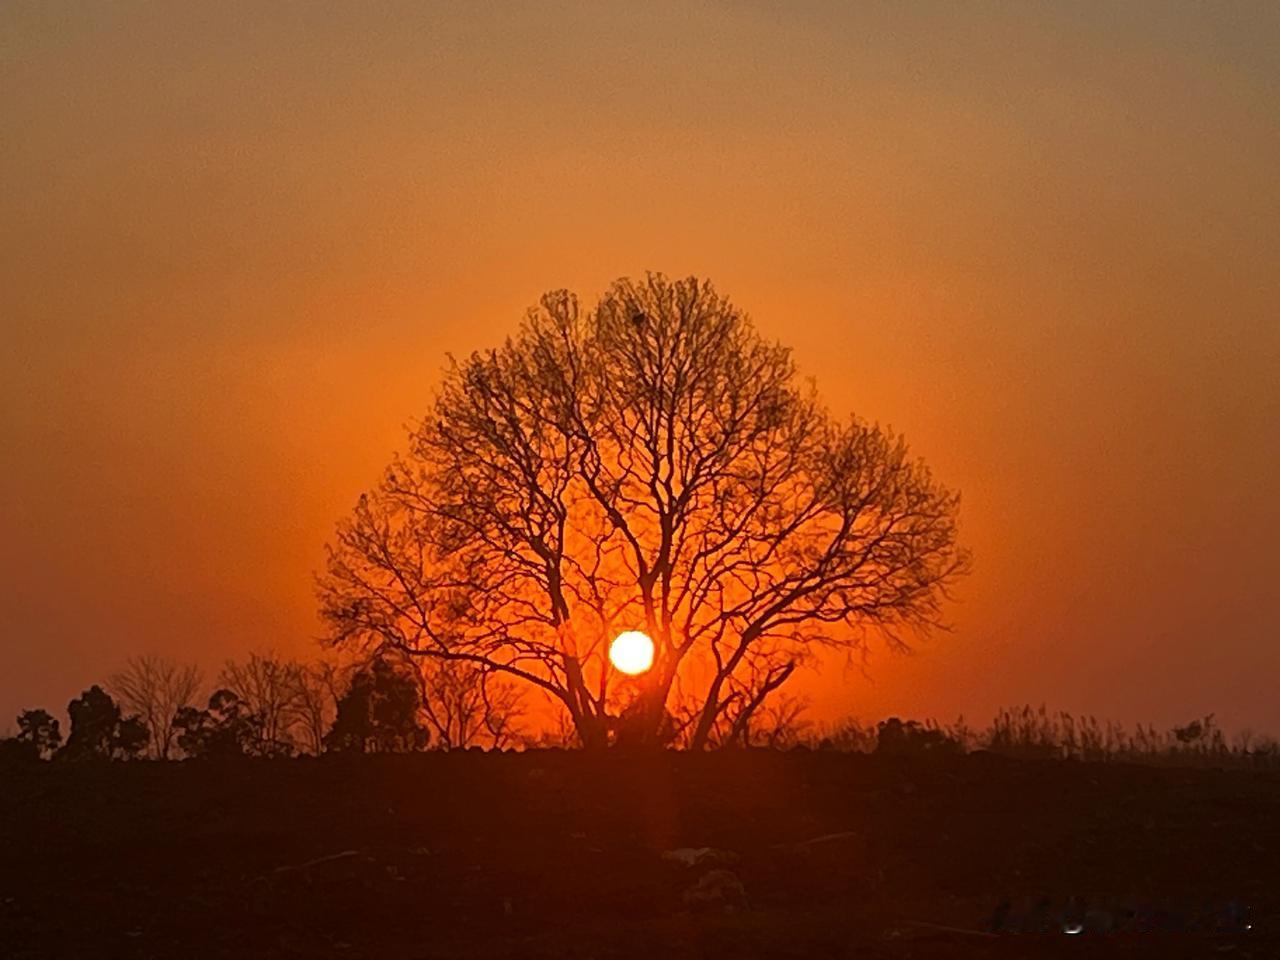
(1043, 240)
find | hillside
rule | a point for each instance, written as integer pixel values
(547, 854)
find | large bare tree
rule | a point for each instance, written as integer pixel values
(155, 689)
(650, 464)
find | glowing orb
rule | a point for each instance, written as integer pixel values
(631, 652)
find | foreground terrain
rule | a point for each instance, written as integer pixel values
(551, 854)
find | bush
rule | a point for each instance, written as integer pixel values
(896, 738)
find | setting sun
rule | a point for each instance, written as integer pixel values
(632, 652)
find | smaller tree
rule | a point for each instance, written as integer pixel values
(40, 729)
(314, 699)
(227, 728)
(99, 730)
(268, 686)
(131, 739)
(380, 712)
(466, 705)
(156, 689)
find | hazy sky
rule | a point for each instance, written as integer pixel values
(1043, 241)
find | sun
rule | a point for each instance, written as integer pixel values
(631, 652)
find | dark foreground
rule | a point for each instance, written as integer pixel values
(560, 855)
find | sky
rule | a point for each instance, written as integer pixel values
(1041, 240)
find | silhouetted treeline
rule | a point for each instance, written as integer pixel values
(268, 706)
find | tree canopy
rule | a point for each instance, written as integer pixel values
(652, 463)
(98, 729)
(379, 713)
(228, 727)
(39, 729)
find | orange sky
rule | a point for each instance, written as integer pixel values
(1041, 240)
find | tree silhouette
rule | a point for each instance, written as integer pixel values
(650, 464)
(131, 738)
(99, 730)
(380, 712)
(227, 728)
(314, 701)
(467, 706)
(269, 687)
(156, 689)
(40, 729)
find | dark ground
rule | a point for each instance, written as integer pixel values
(559, 855)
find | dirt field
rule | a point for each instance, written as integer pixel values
(556, 854)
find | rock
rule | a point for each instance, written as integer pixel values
(808, 846)
(700, 856)
(717, 890)
(293, 883)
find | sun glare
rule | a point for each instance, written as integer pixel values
(631, 652)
